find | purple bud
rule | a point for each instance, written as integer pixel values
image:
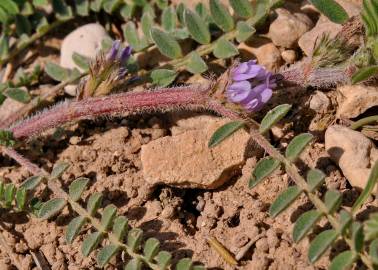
(113, 52)
(251, 86)
(125, 54)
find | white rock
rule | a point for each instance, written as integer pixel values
(319, 102)
(324, 25)
(288, 27)
(355, 99)
(85, 40)
(354, 153)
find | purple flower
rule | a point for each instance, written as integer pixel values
(116, 53)
(251, 86)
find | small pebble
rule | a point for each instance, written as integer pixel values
(262, 245)
(289, 56)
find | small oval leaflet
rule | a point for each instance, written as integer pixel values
(373, 251)
(314, 179)
(169, 19)
(263, 169)
(163, 77)
(371, 227)
(163, 259)
(332, 199)
(184, 264)
(51, 208)
(73, 228)
(196, 64)
(77, 187)
(105, 254)
(166, 44)
(108, 216)
(94, 203)
(224, 131)
(244, 31)
(304, 224)
(358, 236)
(17, 94)
(331, 9)
(58, 169)
(135, 264)
(221, 16)
(284, 200)
(224, 49)
(120, 227)
(197, 27)
(90, 243)
(134, 238)
(343, 261)
(273, 116)
(151, 248)
(242, 8)
(32, 182)
(297, 145)
(320, 244)
(56, 72)
(21, 198)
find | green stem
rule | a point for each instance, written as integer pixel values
(364, 121)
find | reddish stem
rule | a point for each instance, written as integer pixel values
(161, 100)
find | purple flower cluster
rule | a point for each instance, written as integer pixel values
(251, 86)
(116, 53)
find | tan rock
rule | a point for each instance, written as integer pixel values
(355, 99)
(288, 27)
(354, 153)
(185, 160)
(289, 56)
(266, 52)
(324, 25)
(8, 107)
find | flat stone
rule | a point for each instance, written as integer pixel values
(355, 99)
(184, 160)
(353, 152)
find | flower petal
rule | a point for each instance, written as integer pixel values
(239, 91)
(251, 72)
(266, 95)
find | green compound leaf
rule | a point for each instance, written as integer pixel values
(244, 31)
(81, 61)
(74, 228)
(94, 203)
(315, 178)
(163, 77)
(131, 35)
(62, 10)
(224, 132)
(373, 251)
(343, 261)
(371, 183)
(10, 7)
(17, 94)
(51, 208)
(221, 16)
(120, 227)
(166, 44)
(58, 169)
(163, 259)
(297, 145)
(6, 138)
(332, 200)
(134, 238)
(91, 242)
(304, 224)
(108, 216)
(224, 49)
(56, 72)
(21, 198)
(273, 116)
(151, 248)
(9, 193)
(197, 27)
(135, 264)
(332, 10)
(196, 64)
(371, 227)
(77, 187)
(169, 19)
(243, 8)
(105, 254)
(82, 7)
(364, 74)
(32, 182)
(320, 244)
(263, 169)
(358, 236)
(284, 200)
